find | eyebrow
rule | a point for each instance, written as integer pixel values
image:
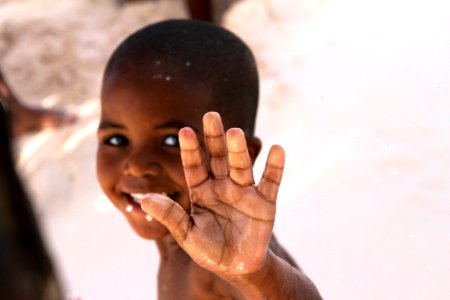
(110, 125)
(175, 124)
(171, 124)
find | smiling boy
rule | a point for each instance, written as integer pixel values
(184, 182)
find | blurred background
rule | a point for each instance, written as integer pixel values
(356, 91)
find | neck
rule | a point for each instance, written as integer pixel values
(177, 269)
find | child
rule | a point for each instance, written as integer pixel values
(212, 225)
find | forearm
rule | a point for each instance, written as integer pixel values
(277, 280)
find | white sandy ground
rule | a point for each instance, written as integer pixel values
(356, 91)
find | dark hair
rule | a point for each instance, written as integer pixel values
(202, 53)
(26, 270)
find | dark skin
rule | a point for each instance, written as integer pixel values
(26, 270)
(26, 119)
(212, 224)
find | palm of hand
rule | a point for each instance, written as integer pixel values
(231, 220)
(231, 228)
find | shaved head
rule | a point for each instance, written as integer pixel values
(203, 55)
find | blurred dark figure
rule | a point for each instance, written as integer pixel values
(26, 270)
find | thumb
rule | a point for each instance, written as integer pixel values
(169, 213)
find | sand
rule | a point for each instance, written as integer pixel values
(356, 91)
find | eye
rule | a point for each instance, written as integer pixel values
(116, 141)
(171, 141)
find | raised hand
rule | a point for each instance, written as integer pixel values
(230, 223)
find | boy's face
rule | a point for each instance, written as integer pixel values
(138, 150)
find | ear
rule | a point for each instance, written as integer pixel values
(254, 147)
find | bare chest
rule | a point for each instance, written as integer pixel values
(190, 282)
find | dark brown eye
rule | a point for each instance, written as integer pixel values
(116, 141)
(171, 141)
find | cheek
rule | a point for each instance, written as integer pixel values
(175, 171)
(174, 168)
(107, 170)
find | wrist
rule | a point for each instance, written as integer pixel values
(257, 285)
(276, 280)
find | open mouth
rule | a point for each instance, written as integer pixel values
(136, 198)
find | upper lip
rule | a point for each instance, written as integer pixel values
(143, 188)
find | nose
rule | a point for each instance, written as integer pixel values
(142, 162)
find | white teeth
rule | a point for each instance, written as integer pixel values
(138, 197)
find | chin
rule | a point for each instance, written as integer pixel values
(149, 232)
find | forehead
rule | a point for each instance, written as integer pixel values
(168, 96)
